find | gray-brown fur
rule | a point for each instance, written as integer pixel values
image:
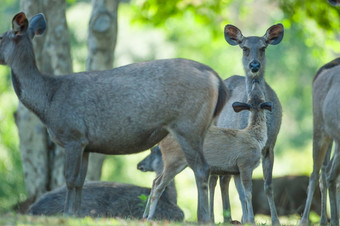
(327, 66)
(120, 111)
(107, 199)
(228, 151)
(326, 130)
(254, 61)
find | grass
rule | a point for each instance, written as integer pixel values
(18, 219)
(11, 218)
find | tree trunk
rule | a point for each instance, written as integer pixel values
(42, 161)
(101, 44)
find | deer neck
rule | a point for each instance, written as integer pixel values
(257, 124)
(30, 85)
(252, 78)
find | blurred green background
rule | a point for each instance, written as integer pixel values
(194, 29)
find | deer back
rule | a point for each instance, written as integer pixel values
(326, 101)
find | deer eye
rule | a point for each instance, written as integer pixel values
(245, 50)
(262, 49)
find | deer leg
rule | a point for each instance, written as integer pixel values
(158, 188)
(193, 150)
(224, 185)
(338, 193)
(155, 194)
(247, 185)
(242, 197)
(80, 181)
(267, 167)
(320, 147)
(73, 158)
(323, 186)
(332, 178)
(155, 183)
(212, 185)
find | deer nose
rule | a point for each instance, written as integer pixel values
(254, 66)
(141, 167)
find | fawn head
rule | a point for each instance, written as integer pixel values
(255, 102)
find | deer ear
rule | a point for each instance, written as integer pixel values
(37, 25)
(232, 35)
(267, 106)
(238, 106)
(274, 34)
(19, 23)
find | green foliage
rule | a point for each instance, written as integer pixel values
(326, 15)
(7, 9)
(227, 213)
(156, 12)
(143, 199)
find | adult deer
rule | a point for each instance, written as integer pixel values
(254, 60)
(120, 111)
(326, 129)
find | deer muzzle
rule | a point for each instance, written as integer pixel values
(254, 66)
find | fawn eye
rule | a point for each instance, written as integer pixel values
(262, 49)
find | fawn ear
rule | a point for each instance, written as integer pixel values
(232, 35)
(37, 25)
(267, 106)
(19, 23)
(238, 106)
(274, 34)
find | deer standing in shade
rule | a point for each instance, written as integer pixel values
(120, 111)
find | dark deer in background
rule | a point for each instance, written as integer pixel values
(254, 61)
(326, 130)
(110, 199)
(120, 111)
(290, 196)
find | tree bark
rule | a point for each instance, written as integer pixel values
(42, 161)
(101, 44)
